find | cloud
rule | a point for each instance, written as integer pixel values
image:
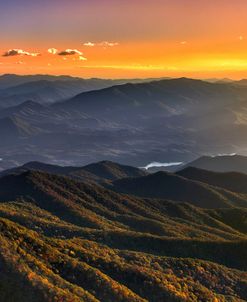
(69, 52)
(81, 58)
(19, 52)
(52, 51)
(108, 44)
(103, 43)
(89, 44)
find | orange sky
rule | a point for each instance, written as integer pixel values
(145, 38)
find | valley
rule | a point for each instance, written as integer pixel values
(170, 120)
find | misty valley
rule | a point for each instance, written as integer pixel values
(164, 120)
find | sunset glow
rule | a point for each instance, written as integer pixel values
(116, 39)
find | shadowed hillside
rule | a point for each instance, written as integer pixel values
(112, 171)
(233, 181)
(98, 172)
(175, 187)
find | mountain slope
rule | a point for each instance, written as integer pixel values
(99, 172)
(80, 270)
(15, 89)
(13, 80)
(90, 205)
(43, 92)
(112, 171)
(169, 97)
(64, 240)
(174, 187)
(15, 128)
(225, 163)
(233, 181)
(26, 108)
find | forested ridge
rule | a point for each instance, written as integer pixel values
(66, 240)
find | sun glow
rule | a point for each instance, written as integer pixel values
(162, 38)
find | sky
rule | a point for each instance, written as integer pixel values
(124, 38)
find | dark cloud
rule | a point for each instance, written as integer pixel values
(19, 52)
(69, 52)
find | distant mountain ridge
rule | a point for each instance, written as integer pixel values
(225, 163)
(8, 80)
(99, 172)
(177, 93)
(46, 89)
(134, 123)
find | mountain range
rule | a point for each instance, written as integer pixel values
(135, 123)
(65, 238)
(97, 172)
(45, 89)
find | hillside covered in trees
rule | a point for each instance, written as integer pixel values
(66, 240)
